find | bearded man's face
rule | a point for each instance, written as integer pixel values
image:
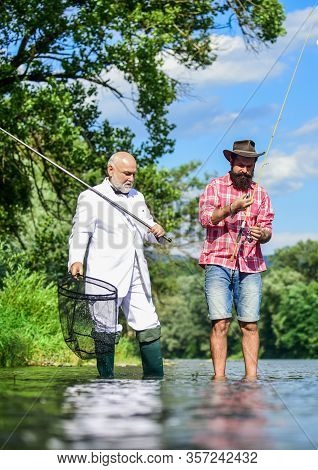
(242, 172)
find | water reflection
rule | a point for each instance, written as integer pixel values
(68, 408)
(207, 414)
(232, 416)
(118, 414)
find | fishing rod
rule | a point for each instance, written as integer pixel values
(247, 212)
(110, 201)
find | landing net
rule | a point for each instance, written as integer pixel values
(88, 315)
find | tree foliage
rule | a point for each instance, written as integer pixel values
(295, 322)
(55, 58)
(56, 55)
(302, 257)
(290, 302)
(289, 311)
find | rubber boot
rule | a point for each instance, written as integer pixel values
(105, 353)
(105, 365)
(151, 359)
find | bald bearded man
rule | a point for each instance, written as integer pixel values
(112, 243)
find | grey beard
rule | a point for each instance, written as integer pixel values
(120, 188)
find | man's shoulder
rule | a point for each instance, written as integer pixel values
(219, 180)
(261, 189)
(136, 195)
(90, 193)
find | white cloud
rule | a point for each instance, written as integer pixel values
(284, 239)
(287, 172)
(295, 20)
(310, 127)
(111, 107)
(235, 64)
(225, 118)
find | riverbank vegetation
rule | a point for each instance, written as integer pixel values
(30, 332)
(59, 60)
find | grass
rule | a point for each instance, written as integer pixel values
(30, 332)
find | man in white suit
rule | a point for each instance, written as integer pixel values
(112, 243)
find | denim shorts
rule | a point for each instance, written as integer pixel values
(224, 286)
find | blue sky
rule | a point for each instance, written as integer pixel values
(210, 118)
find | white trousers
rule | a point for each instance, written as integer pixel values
(138, 308)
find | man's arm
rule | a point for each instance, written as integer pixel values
(82, 230)
(208, 202)
(262, 230)
(240, 204)
(156, 231)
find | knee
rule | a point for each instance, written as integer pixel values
(220, 327)
(249, 328)
(147, 336)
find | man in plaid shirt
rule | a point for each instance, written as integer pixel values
(237, 214)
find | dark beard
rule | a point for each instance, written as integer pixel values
(241, 182)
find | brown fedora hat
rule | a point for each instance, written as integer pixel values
(243, 148)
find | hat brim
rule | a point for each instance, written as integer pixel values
(230, 154)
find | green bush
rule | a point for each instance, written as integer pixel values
(30, 331)
(29, 324)
(127, 351)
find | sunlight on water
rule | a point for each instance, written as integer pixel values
(113, 413)
(69, 408)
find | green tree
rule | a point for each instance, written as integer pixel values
(295, 324)
(289, 305)
(178, 288)
(276, 283)
(55, 55)
(302, 257)
(185, 326)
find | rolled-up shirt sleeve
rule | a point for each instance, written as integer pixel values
(83, 228)
(209, 201)
(266, 213)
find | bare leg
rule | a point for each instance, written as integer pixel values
(218, 345)
(250, 347)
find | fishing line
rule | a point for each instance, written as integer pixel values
(284, 102)
(255, 91)
(28, 411)
(298, 423)
(291, 81)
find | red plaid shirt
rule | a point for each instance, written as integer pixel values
(220, 239)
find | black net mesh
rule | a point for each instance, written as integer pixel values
(88, 315)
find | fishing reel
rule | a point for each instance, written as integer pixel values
(249, 237)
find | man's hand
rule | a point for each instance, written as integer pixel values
(157, 230)
(77, 268)
(260, 234)
(241, 203)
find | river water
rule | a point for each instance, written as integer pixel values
(69, 408)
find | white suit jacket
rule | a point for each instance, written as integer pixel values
(113, 239)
